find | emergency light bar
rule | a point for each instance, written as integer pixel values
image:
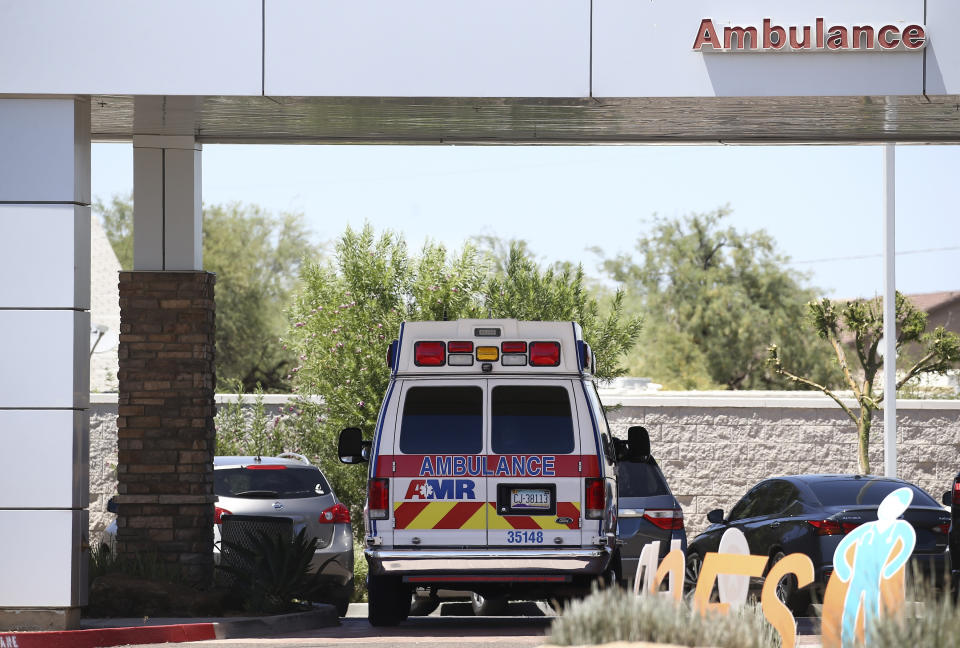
(465, 346)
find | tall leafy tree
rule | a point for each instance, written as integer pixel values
(351, 307)
(257, 257)
(857, 327)
(713, 298)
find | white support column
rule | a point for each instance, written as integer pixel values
(889, 312)
(168, 220)
(44, 371)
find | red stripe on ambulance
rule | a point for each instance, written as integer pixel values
(407, 512)
(458, 515)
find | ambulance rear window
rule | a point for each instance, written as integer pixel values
(531, 420)
(442, 420)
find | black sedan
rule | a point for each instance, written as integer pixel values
(952, 499)
(810, 514)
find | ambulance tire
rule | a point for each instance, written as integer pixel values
(388, 600)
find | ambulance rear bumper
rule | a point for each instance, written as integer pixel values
(571, 562)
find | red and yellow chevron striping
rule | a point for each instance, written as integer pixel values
(474, 515)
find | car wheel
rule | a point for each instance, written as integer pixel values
(424, 605)
(691, 572)
(788, 592)
(389, 600)
(342, 604)
(488, 605)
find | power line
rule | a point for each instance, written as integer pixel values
(878, 256)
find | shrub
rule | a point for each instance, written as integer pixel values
(934, 623)
(274, 574)
(615, 615)
(360, 570)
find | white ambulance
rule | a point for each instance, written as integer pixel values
(491, 467)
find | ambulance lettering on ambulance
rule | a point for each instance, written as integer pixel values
(477, 466)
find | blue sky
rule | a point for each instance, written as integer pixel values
(822, 204)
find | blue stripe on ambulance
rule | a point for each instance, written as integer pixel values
(383, 413)
(593, 420)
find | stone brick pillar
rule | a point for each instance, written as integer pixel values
(165, 424)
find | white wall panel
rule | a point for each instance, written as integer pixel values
(131, 47)
(48, 248)
(44, 147)
(646, 49)
(943, 52)
(36, 558)
(60, 437)
(464, 48)
(46, 358)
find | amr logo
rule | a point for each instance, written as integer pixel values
(440, 489)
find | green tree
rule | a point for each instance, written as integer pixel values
(713, 298)
(860, 323)
(351, 307)
(256, 257)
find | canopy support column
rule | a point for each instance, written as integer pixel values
(889, 312)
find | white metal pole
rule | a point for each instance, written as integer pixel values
(889, 313)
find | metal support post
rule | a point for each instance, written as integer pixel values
(889, 313)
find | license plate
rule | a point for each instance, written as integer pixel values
(529, 498)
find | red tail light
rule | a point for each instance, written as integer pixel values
(219, 513)
(460, 347)
(266, 467)
(832, 527)
(545, 354)
(429, 354)
(513, 347)
(670, 519)
(956, 493)
(334, 514)
(378, 499)
(595, 491)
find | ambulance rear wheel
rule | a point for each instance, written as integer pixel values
(389, 600)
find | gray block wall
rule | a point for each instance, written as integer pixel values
(711, 446)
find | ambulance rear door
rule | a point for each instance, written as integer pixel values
(534, 486)
(438, 491)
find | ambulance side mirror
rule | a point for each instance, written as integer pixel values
(638, 441)
(351, 448)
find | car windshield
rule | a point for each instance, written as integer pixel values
(640, 479)
(863, 492)
(269, 481)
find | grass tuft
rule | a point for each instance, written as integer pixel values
(932, 622)
(615, 615)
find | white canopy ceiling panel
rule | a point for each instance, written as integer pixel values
(131, 47)
(942, 73)
(427, 48)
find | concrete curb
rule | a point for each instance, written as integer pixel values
(122, 632)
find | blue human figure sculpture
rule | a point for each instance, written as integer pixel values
(873, 561)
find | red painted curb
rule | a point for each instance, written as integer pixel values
(103, 637)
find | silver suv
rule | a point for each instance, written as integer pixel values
(289, 487)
